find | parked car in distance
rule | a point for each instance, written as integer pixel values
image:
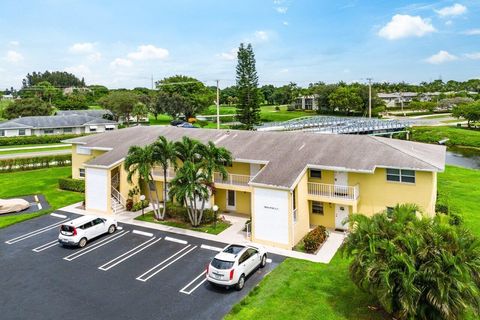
(81, 230)
(176, 122)
(186, 125)
(232, 266)
(13, 205)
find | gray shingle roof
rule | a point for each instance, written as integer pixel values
(92, 113)
(287, 153)
(53, 122)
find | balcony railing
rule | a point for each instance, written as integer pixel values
(158, 173)
(233, 179)
(334, 191)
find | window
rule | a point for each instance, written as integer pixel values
(389, 212)
(400, 175)
(244, 257)
(47, 131)
(97, 221)
(109, 127)
(221, 264)
(81, 172)
(317, 207)
(2, 133)
(316, 174)
(67, 130)
(93, 129)
(21, 132)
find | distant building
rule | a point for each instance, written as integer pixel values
(395, 99)
(45, 125)
(307, 102)
(98, 113)
(7, 97)
(70, 90)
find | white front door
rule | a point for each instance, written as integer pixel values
(231, 201)
(341, 216)
(341, 178)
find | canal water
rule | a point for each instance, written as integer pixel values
(463, 157)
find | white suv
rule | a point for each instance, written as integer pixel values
(83, 229)
(231, 266)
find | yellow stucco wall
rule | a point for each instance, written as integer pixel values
(376, 193)
(78, 160)
(242, 201)
(302, 225)
(239, 168)
(328, 218)
(327, 177)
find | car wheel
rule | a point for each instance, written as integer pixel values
(82, 243)
(240, 283)
(263, 263)
(112, 229)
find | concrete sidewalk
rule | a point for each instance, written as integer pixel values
(233, 234)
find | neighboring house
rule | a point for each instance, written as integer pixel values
(307, 102)
(98, 113)
(70, 90)
(7, 97)
(286, 182)
(42, 125)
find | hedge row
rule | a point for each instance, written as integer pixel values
(12, 141)
(178, 212)
(23, 164)
(70, 184)
(314, 239)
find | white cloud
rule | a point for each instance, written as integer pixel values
(473, 55)
(120, 62)
(95, 56)
(403, 26)
(80, 70)
(13, 56)
(441, 57)
(261, 36)
(285, 23)
(281, 10)
(230, 55)
(473, 32)
(455, 10)
(448, 22)
(148, 52)
(82, 48)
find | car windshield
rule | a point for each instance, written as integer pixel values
(66, 228)
(233, 249)
(221, 264)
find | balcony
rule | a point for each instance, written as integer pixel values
(232, 179)
(158, 173)
(334, 191)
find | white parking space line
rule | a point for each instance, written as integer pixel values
(183, 290)
(46, 246)
(204, 246)
(35, 232)
(119, 228)
(95, 246)
(39, 205)
(121, 258)
(143, 233)
(153, 271)
(176, 240)
(58, 215)
(269, 260)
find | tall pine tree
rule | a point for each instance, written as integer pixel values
(248, 107)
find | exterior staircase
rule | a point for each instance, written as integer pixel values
(117, 207)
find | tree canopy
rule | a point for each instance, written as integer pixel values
(60, 79)
(27, 107)
(248, 107)
(120, 103)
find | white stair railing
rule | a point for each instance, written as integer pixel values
(118, 198)
(334, 191)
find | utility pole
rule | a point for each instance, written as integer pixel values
(218, 105)
(369, 97)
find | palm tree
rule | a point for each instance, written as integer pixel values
(416, 267)
(214, 159)
(189, 187)
(164, 154)
(140, 161)
(188, 150)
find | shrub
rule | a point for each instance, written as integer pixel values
(70, 184)
(23, 164)
(139, 205)
(56, 138)
(179, 212)
(314, 239)
(129, 204)
(277, 108)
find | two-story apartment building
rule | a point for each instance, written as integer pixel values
(286, 182)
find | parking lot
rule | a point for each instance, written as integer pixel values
(135, 273)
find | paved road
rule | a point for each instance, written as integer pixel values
(127, 275)
(35, 154)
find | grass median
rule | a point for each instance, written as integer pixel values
(41, 181)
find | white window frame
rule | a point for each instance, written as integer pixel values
(402, 175)
(81, 172)
(315, 170)
(20, 132)
(322, 206)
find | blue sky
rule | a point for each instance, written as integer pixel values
(123, 43)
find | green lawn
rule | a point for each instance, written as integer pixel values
(30, 145)
(457, 136)
(42, 181)
(207, 228)
(305, 290)
(35, 150)
(162, 119)
(268, 114)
